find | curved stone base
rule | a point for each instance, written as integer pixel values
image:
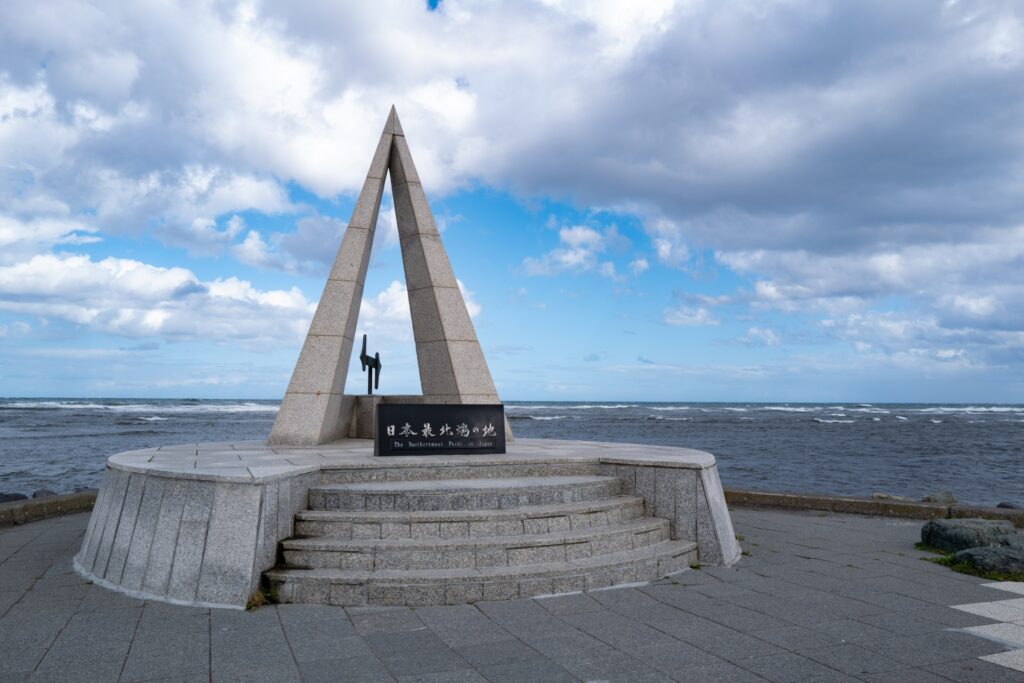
(201, 523)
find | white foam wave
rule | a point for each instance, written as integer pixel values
(670, 419)
(900, 417)
(837, 414)
(972, 409)
(792, 409)
(243, 407)
(935, 422)
(834, 422)
(548, 417)
(154, 418)
(670, 408)
(736, 410)
(870, 410)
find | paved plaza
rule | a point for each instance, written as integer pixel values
(819, 598)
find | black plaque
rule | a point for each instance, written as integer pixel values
(439, 429)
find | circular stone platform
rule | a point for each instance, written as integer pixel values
(202, 523)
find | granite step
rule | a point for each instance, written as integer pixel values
(533, 519)
(500, 467)
(462, 494)
(351, 587)
(473, 552)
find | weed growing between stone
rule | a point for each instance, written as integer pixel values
(949, 560)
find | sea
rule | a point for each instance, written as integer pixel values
(975, 451)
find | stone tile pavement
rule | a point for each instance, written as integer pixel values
(819, 598)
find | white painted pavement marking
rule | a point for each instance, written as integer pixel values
(1014, 659)
(1011, 586)
(1011, 629)
(997, 611)
(1012, 634)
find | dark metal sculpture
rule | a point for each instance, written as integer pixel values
(372, 367)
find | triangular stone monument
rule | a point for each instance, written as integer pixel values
(315, 409)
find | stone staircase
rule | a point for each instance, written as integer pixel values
(457, 541)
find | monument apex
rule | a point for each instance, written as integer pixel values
(315, 409)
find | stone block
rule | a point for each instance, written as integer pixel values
(336, 311)
(119, 489)
(381, 156)
(165, 539)
(666, 481)
(471, 372)
(227, 566)
(97, 521)
(318, 369)
(364, 215)
(307, 420)
(454, 529)
(728, 548)
(463, 593)
(353, 256)
(491, 556)
(684, 524)
(426, 263)
(412, 211)
(361, 530)
(436, 373)
(424, 595)
(500, 590)
(401, 166)
(347, 595)
(188, 558)
(385, 595)
(145, 530)
(536, 554)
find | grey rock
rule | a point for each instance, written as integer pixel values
(1015, 539)
(1008, 506)
(9, 497)
(954, 535)
(44, 493)
(1004, 559)
(944, 497)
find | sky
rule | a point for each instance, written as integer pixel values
(669, 201)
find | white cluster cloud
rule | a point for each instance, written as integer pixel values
(580, 250)
(134, 299)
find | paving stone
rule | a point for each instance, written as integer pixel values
(366, 669)
(933, 648)
(787, 667)
(414, 652)
(570, 604)
(974, 671)
(464, 676)
(527, 672)
(852, 659)
(369, 620)
(158, 651)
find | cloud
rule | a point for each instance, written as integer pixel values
(686, 316)
(301, 252)
(133, 299)
(760, 336)
(638, 266)
(579, 251)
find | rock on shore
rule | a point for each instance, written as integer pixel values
(954, 535)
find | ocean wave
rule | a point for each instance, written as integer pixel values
(972, 409)
(737, 410)
(541, 417)
(189, 407)
(900, 417)
(837, 414)
(668, 418)
(670, 407)
(833, 422)
(935, 422)
(870, 410)
(154, 418)
(792, 409)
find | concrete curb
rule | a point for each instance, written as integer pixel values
(34, 509)
(867, 506)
